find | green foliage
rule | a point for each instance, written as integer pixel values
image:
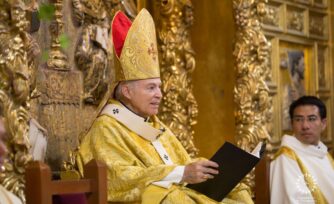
(64, 41)
(45, 55)
(46, 12)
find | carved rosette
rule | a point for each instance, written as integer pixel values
(272, 17)
(251, 93)
(179, 107)
(317, 25)
(295, 20)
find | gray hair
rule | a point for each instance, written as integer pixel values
(118, 95)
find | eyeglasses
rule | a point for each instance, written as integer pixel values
(301, 119)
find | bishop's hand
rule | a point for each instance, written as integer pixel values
(199, 171)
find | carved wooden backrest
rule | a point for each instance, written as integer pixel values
(40, 187)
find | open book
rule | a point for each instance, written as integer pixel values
(234, 164)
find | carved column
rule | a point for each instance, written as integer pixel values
(179, 107)
(17, 65)
(61, 92)
(251, 93)
(57, 59)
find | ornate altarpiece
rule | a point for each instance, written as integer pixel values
(299, 32)
(63, 90)
(62, 87)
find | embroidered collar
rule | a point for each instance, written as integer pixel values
(145, 119)
(131, 120)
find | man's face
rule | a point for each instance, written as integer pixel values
(144, 96)
(3, 149)
(307, 124)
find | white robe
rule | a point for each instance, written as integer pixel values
(38, 140)
(7, 197)
(287, 184)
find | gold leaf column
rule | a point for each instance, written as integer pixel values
(179, 107)
(251, 93)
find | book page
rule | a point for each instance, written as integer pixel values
(256, 150)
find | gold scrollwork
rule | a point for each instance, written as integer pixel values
(179, 107)
(251, 93)
(18, 52)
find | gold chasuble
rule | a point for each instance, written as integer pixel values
(134, 163)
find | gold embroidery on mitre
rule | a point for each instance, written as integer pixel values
(139, 56)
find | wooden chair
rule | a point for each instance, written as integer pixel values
(40, 187)
(262, 181)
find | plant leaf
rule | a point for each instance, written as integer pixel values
(64, 41)
(46, 11)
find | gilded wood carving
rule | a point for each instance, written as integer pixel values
(304, 27)
(91, 53)
(59, 106)
(251, 93)
(57, 58)
(179, 107)
(295, 20)
(272, 17)
(18, 52)
(317, 25)
(67, 95)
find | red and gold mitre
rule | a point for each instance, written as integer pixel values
(135, 47)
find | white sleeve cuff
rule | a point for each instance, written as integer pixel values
(174, 176)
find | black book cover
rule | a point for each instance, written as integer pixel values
(234, 165)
